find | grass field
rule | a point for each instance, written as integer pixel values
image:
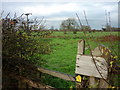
(64, 50)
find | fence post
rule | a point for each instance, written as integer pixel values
(103, 84)
(21, 83)
(81, 50)
(81, 47)
(92, 80)
(102, 51)
(106, 53)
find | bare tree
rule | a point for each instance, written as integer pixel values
(69, 25)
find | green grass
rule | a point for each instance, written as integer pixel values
(64, 50)
(63, 55)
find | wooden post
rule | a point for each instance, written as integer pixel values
(103, 84)
(21, 83)
(100, 51)
(81, 47)
(92, 82)
(105, 53)
(81, 50)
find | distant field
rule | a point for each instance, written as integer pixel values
(64, 49)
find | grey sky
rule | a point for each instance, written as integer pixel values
(54, 12)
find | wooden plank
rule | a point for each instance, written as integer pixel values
(86, 66)
(57, 74)
(102, 51)
(97, 52)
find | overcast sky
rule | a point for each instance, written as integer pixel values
(55, 11)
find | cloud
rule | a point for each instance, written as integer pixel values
(60, 0)
(109, 8)
(51, 9)
(57, 18)
(55, 12)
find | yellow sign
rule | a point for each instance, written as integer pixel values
(78, 78)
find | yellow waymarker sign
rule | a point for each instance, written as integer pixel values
(111, 63)
(78, 78)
